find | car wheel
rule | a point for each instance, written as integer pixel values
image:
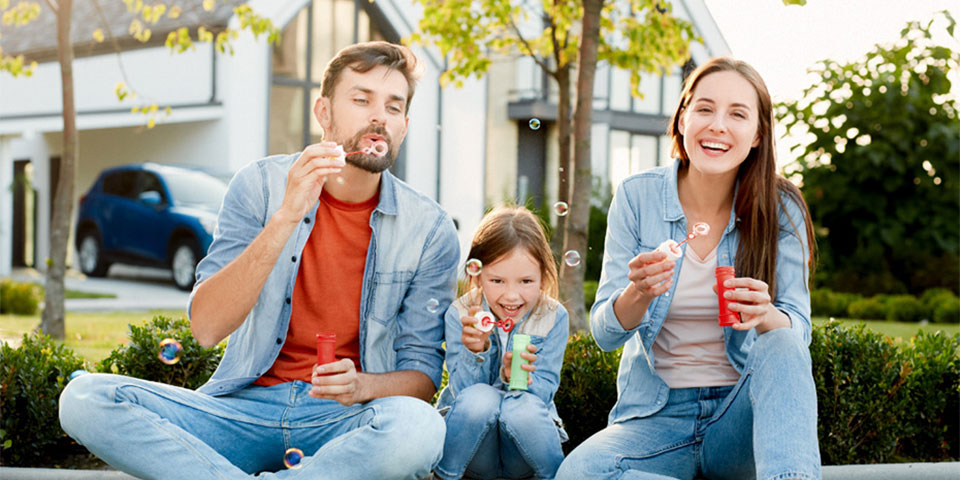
(183, 262)
(90, 254)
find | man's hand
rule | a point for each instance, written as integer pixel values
(530, 367)
(338, 381)
(475, 340)
(306, 178)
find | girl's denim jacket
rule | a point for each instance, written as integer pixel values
(644, 212)
(412, 258)
(548, 326)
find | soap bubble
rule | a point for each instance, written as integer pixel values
(701, 228)
(474, 267)
(292, 458)
(170, 351)
(535, 124)
(433, 305)
(561, 209)
(77, 373)
(572, 258)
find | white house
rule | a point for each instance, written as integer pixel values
(466, 148)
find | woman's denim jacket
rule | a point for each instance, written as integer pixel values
(548, 326)
(412, 258)
(646, 211)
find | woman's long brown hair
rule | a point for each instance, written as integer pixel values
(758, 197)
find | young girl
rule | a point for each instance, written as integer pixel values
(696, 398)
(492, 431)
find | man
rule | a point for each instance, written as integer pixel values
(305, 243)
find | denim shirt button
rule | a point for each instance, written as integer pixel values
(293, 258)
(306, 220)
(659, 402)
(279, 341)
(288, 300)
(479, 359)
(666, 294)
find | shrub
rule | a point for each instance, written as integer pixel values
(905, 308)
(827, 303)
(948, 311)
(588, 388)
(589, 293)
(872, 308)
(19, 298)
(858, 374)
(31, 379)
(140, 359)
(931, 422)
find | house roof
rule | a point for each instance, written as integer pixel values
(38, 39)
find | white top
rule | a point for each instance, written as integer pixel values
(689, 350)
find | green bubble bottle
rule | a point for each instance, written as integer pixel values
(518, 376)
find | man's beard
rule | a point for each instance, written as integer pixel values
(370, 162)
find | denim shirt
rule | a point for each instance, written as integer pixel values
(644, 212)
(412, 258)
(548, 326)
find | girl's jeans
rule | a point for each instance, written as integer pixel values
(497, 434)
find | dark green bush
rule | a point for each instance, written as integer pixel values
(589, 292)
(588, 388)
(31, 379)
(905, 308)
(140, 359)
(19, 298)
(933, 386)
(873, 308)
(932, 297)
(827, 303)
(948, 311)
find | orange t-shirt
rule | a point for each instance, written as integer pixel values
(326, 295)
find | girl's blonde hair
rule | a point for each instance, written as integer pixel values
(500, 232)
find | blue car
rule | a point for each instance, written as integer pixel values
(148, 214)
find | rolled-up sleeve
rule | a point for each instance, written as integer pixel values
(621, 244)
(419, 341)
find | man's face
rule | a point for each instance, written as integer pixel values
(366, 108)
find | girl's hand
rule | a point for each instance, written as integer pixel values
(530, 367)
(651, 274)
(751, 299)
(475, 340)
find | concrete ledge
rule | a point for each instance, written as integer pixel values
(886, 471)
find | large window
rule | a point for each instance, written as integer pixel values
(632, 153)
(308, 42)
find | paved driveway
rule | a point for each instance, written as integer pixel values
(136, 288)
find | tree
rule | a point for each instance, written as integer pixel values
(881, 171)
(637, 35)
(24, 12)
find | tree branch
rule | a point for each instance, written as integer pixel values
(53, 6)
(116, 44)
(529, 49)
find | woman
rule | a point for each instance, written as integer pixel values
(695, 398)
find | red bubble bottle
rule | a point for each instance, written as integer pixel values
(726, 317)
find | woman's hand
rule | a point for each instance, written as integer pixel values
(651, 274)
(751, 299)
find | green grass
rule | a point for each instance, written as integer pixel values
(896, 330)
(72, 294)
(92, 335)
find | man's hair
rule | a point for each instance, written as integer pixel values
(363, 57)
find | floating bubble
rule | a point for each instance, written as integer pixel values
(292, 458)
(340, 180)
(433, 305)
(535, 124)
(170, 351)
(474, 267)
(561, 209)
(701, 228)
(77, 373)
(572, 258)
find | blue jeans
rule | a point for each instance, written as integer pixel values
(152, 430)
(763, 427)
(494, 434)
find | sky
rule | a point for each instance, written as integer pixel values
(782, 41)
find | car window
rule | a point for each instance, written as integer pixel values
(195, 189)
(121, 184)
(150, 183)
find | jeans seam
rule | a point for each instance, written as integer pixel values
(476, 447)
(216, 413)
(523, 451)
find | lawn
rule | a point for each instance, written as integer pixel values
(92, 335)
(896, 330)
